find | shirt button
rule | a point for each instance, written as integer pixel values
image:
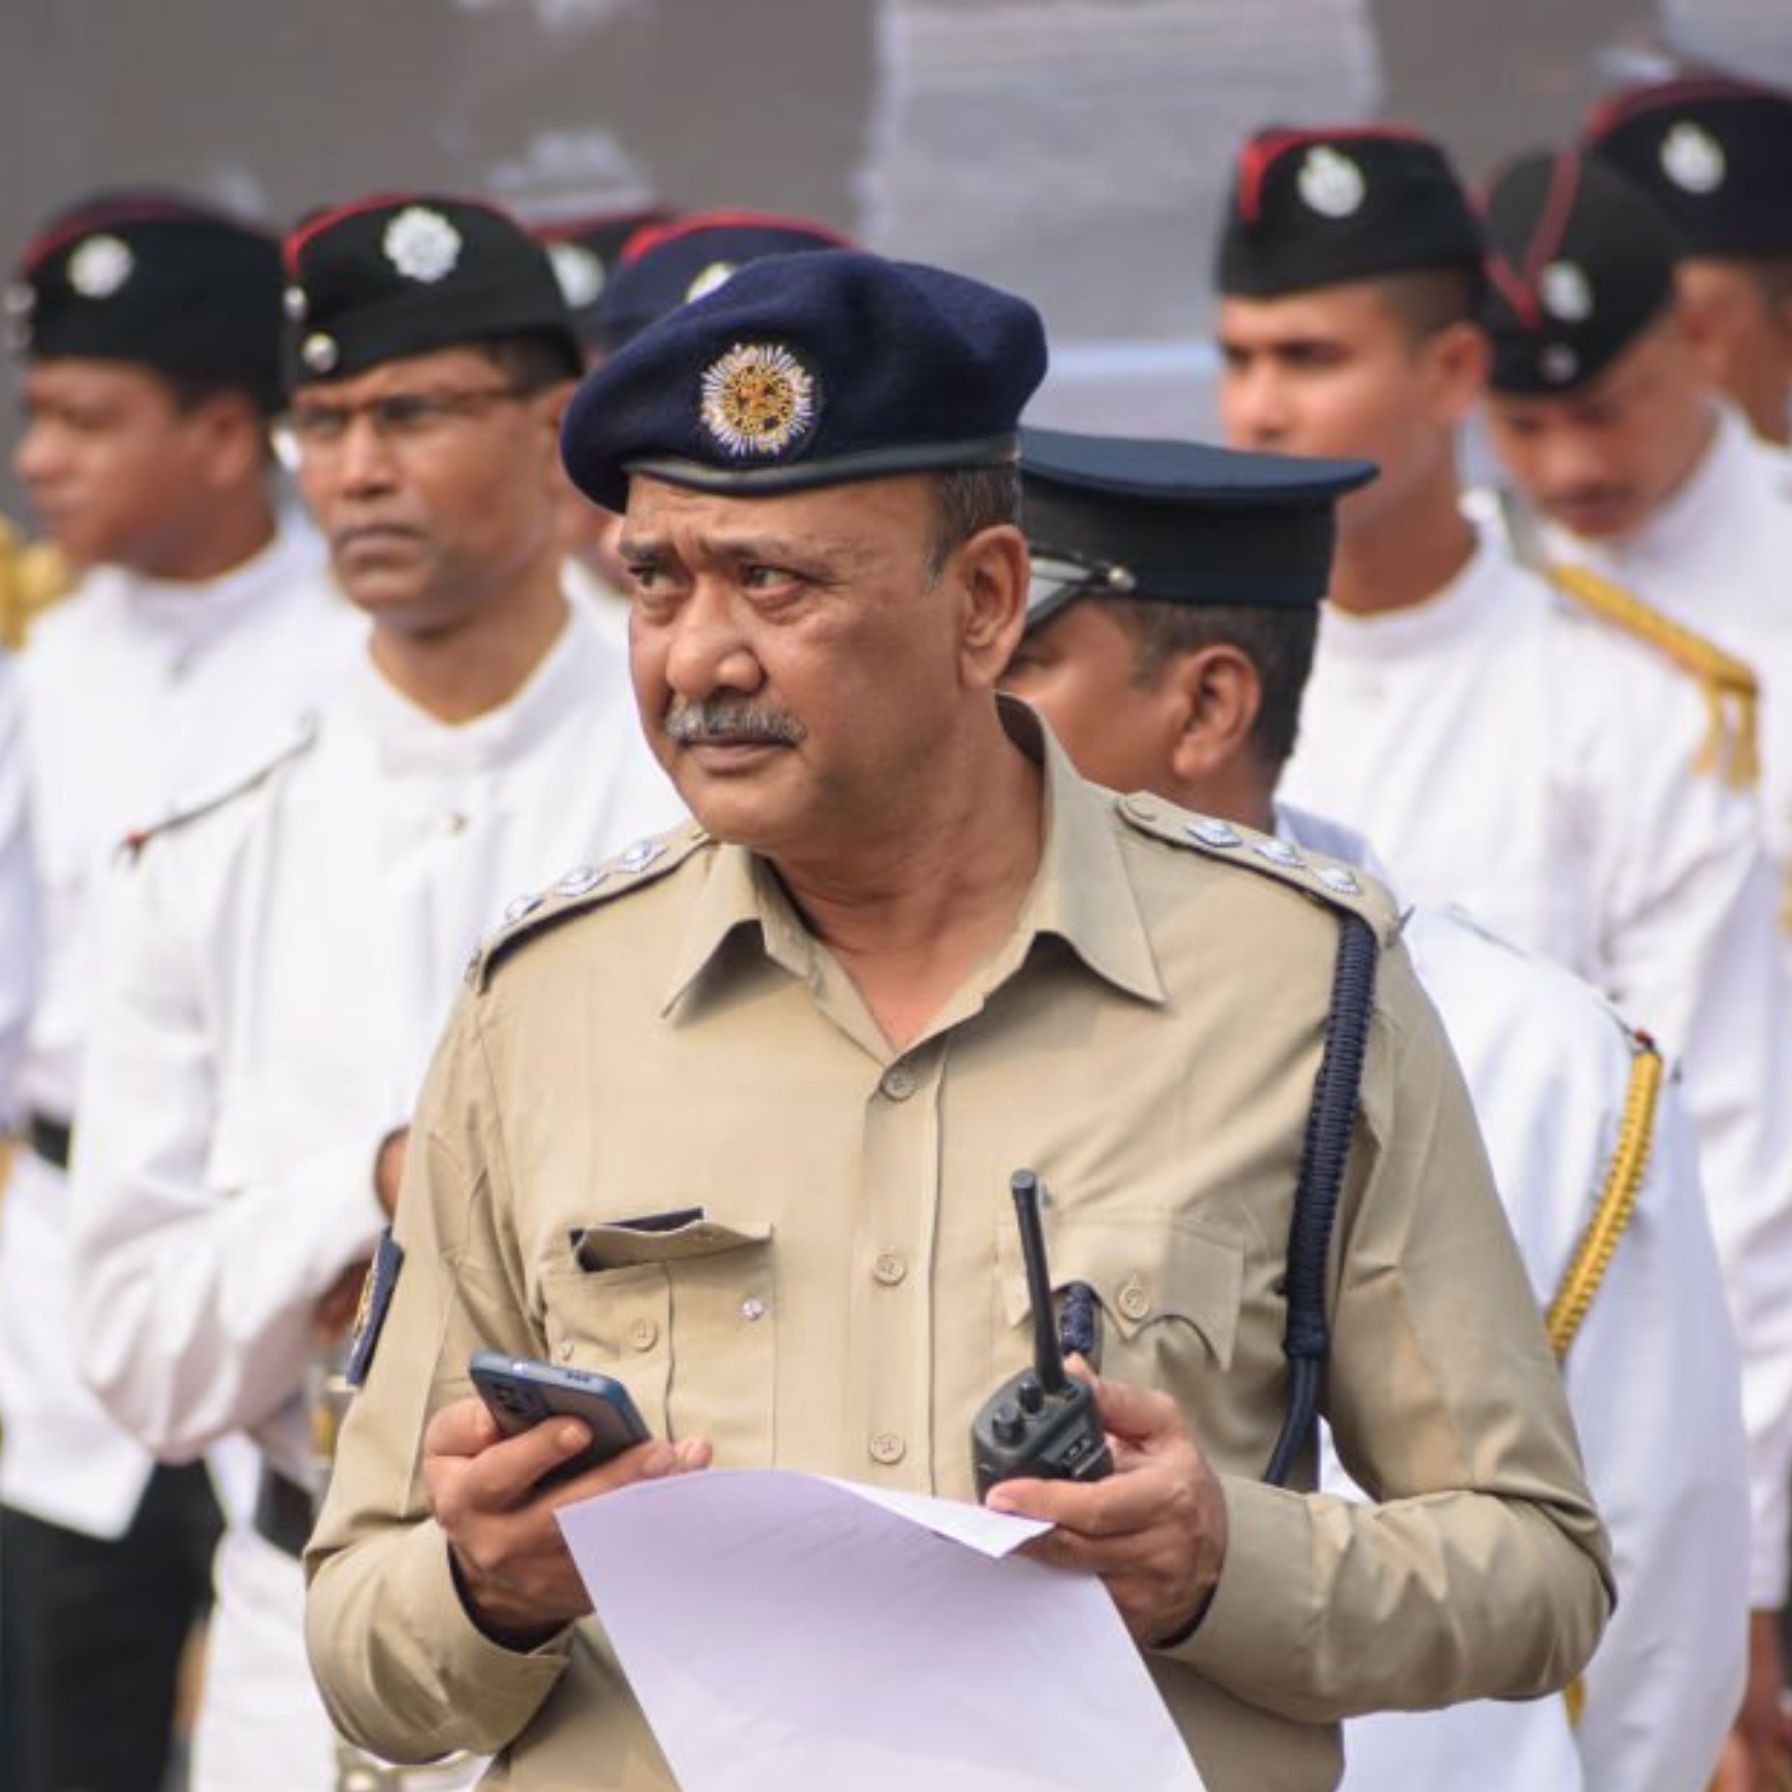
(888, 1448)
(566, 1351)
(455, 824)
(889, 1268)
(898, 1082)
(643, 1333)
(751, 1309)
(1135, 1299)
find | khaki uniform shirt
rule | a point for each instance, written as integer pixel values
(1146, 1040)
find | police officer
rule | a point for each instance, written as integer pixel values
(902, 950)
(1171, 628)
(1573, 776)
(149, 333)
(1712, 153)
(659, 267)
(282, 962)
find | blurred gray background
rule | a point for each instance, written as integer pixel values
(1075, 150)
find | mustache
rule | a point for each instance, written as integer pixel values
(721, 719)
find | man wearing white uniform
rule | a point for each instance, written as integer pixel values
(1501, 744)
(18, 898)
(1605, 424)
(281, 965)
(149, 329)
(1169, 635)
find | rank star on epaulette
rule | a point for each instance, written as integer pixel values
(758, 399)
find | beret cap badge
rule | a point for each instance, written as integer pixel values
(758, 399)
(422, 244)
(1331, 183)
(100, 266)
(1692, 158)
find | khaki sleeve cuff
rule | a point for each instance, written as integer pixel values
(417, 1678)
(1257, 1622)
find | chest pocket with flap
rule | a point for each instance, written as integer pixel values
(685, 1319)
(1169, 1293)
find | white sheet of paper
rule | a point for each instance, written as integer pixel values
(789, 1630)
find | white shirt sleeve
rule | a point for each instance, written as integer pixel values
(1694, 957)
(18, 916)
(198, 1284)
(1652, 1379)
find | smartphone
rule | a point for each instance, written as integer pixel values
(519, 1393)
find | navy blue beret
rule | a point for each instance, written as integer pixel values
(672, 263)
(157, 279)
(810, 370)
(1177, 522)
(402, 274)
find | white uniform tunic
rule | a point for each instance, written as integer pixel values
(1510, 754)
(276, 976)
(18, 901)
(1651, 1376)
(1718, 557)
(140, 698)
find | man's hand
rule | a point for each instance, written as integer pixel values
(515, 1573)
(388, 1168)
(1155, 1530)
(1757, 1755)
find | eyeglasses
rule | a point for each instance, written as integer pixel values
(1058, 578)
(312, 428)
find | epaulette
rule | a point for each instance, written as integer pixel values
(1328, 881)
(1729, 686)
(132, 845)
(583, 888)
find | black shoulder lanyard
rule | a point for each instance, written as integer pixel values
(1324, 1156)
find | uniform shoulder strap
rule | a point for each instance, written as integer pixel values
(1729, 686)
(581, 889)
(130, 848)
(1338, 886)
(1617, 1199)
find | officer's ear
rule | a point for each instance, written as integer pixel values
(991, 570)
(1217, 695)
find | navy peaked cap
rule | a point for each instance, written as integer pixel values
(670, 264)
(1177, 522)
(810, 370)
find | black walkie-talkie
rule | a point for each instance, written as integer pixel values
(1042, 1423)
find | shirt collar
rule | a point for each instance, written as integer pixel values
(1081, 894)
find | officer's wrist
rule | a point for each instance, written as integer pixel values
(519, 1639)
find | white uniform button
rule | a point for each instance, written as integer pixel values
(888, 1448)
(455, 824)
(889, 1268)
(643, 1333)
(898, 1082)
(752, 1309)
(1134, 1299)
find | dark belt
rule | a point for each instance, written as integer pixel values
(51, 1140)
(284, 1513)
